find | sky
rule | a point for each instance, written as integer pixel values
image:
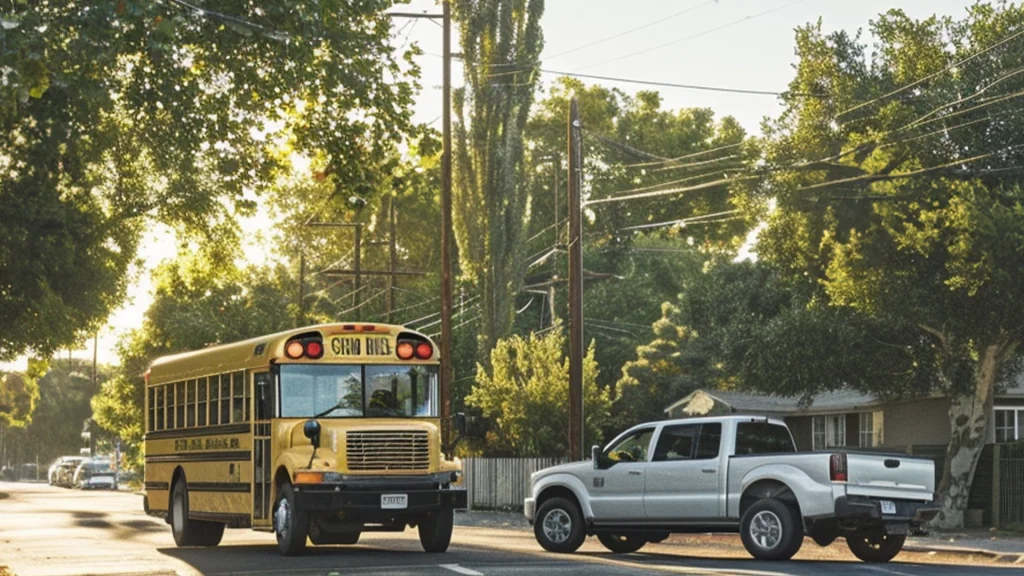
(745, 44)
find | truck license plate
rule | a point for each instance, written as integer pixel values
(394, 501)
(888, 507)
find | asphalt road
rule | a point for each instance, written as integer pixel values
(47, 531)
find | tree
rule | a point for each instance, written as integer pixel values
(501, 43)
(18, 396)
(901, 210)
(114, 112)
(195, 306)
(63, 407)
(527, 396)
(668, 368)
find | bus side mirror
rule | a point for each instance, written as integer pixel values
(460, 423)
(312, 431)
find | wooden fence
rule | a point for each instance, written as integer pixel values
(501, 483)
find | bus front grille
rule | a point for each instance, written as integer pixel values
(387, 450)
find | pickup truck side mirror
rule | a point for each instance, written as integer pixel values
(595, 453)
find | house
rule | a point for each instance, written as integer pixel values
(851, 419)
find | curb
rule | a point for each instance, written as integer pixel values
(1001, 557)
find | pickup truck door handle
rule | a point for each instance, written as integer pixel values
(708, 470)
(634, 472)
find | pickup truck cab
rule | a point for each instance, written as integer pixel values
(731, 474)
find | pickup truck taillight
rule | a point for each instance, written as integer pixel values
(837, 468)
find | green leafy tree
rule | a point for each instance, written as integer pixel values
(194, 306)
(116, 112)
(501, 42)
(668, 368)
(901, 209)
(527, 396)
(18, 396)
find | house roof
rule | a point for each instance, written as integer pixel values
(742, 402)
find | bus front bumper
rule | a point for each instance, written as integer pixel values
(363, 503)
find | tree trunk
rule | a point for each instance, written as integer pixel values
(968, 420)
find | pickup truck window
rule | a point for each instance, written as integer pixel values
(688, 442)
(632, 448)
(763, 438)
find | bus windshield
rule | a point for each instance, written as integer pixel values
(357, 391)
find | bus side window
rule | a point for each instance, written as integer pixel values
(201, 395)
(214, 405)
(225, 398)
(179, 404)
(264, 396)
(151, 409)
(190, 403)
(238, 390)
(161, 407)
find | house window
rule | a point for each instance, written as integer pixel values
(828, 431)
(1008, 424)
(870, 429)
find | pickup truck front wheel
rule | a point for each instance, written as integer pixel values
(559, 526)
(771, 530)
(875, 546)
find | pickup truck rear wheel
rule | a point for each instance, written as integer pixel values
(559, 526)
(622, 543)
(771, 530)
(875, 545)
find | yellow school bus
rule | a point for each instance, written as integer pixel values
(317, 433)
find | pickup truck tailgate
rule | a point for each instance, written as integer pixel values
(890, 476)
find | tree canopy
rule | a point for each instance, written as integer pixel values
(115, 112)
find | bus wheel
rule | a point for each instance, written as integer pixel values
(185, 531)
(291, 525)
(436, 530)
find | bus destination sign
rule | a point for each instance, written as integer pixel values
(361, 346)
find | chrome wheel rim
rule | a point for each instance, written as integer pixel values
(557, 526)
(281, 518)
(766, 529)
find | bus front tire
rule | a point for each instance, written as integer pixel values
(436, 530)
(188, 532)
(291, 525)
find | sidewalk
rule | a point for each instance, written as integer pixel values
(1006, 547)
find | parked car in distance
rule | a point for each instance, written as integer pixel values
(53, 473)
(97, 473)
(731, 474)
(65, 473)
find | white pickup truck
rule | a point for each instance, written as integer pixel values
(731, 474)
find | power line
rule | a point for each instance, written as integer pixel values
(676, 85)
(363, 303)
(693, 36)
(666, 192)
(630, 31)
(951, 67)
(269, 32)
(692, 219)
(683, 157)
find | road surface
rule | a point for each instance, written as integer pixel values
(46, 531)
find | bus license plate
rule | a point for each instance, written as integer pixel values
(888, 507)
(394, 501)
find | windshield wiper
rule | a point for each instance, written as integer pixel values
(340, 404)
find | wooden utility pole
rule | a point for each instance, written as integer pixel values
(95, 357)
(393, 253)
(446, 227)
(575, 288)
(302, 291)
(357, 269)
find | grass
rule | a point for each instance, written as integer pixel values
(5, 571)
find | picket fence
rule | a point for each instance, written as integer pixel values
(501, 483)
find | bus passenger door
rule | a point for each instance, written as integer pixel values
(265, 400)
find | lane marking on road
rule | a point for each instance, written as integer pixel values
(461, 570)
(883, 570)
